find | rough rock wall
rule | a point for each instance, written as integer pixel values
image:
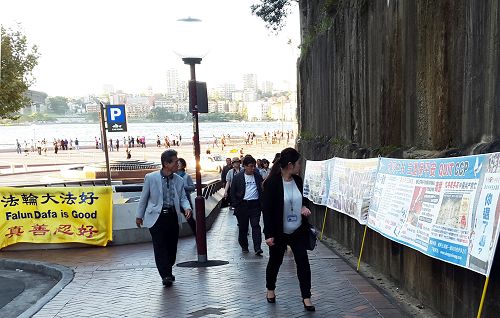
(403, 79)
(402, 74)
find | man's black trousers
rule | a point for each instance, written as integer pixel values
(165, 235)
(249, 211)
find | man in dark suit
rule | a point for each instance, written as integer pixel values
(246, 196)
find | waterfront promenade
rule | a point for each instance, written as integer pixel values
(31, 168)
(122, 281)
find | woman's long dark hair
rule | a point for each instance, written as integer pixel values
(281, 160)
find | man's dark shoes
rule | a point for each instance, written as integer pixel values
(271, 300)
(307, 307)
(167, 281)
(244, 250)
(259, 252)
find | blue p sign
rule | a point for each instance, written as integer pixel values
(116, 118)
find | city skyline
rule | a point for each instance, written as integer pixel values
(128, 46)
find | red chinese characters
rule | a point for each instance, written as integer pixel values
(15, 230)
(39, 229)
(64, 229)
(87, 231)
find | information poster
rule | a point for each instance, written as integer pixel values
(429, 205)
(55, 215)
(317, 180)
(485, 221)
(351, 186)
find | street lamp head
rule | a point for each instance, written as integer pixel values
(191, 40)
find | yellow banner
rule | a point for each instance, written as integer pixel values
(56, 215)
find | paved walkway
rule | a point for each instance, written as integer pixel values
(122, 281)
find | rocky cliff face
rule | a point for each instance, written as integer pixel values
(407, 78)
(377, 76)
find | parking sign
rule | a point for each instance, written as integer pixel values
(116, 118)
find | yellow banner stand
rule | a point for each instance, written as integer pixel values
(324, 221)
(361, 251)
(56, 215)
(485, 287)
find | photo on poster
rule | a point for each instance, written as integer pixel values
(454, 210)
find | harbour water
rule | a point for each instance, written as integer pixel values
(86, 133)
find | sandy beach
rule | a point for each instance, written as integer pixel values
(31, 168)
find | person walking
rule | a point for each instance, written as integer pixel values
(159, 209)
(18, 147)
(117, 144)
(246, 196)
(285, 215)
(264, 172)
(189, 188)
(236, 163)
(225, 170)
(77, 144)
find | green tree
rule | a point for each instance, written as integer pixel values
(16, 66)
(93, 117)
(58, 104)
(159, 114)
(273, 12)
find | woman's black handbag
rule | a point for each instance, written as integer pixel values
(312, 238)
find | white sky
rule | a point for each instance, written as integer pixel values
(85, 44)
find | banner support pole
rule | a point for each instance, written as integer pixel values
(480, 310)
(323, 227)
(361, 251)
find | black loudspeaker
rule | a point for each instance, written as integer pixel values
(201, 96)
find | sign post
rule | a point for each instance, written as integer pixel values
(105, 141)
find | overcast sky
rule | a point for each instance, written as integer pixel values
(85, 44)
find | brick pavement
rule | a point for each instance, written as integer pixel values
(122, 281)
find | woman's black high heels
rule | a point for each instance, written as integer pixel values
(308, 308)
(271, 300)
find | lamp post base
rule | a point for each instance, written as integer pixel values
(206, 263)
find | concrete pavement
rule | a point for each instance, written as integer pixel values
(122, 281)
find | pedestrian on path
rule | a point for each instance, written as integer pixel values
(18, 147)
(285, 223)
(246, 197)
(189, 188)
(159, 209)
(236, 162)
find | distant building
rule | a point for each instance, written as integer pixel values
(118, 98)
(237, 96)
(226, 91)
(92, 108)
(138, 106)
(108, 89)
(250, 87)
(175, 90)
(169, 105)
(267, 88)
(257, 111)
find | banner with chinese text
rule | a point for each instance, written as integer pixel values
(55, 215)
(445, 208)
(351, 186)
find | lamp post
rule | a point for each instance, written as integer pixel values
(190, 47)
(201, 232)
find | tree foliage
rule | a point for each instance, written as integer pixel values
(273, 12)
(58, 104)
(16, 66)
(160, 114)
